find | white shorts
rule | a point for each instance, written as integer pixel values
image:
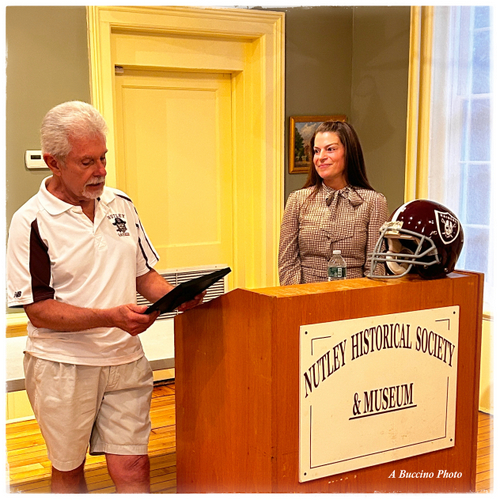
(75, 405)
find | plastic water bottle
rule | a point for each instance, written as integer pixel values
(337, 268)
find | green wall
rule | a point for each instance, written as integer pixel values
(318, 68)
(47, 64)
(353, 61)
(379, 94)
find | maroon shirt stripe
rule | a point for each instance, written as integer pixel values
(39, 266)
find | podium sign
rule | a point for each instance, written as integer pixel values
(376, 389)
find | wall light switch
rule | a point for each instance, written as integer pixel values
(34, 160)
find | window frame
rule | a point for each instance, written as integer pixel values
(429, 159)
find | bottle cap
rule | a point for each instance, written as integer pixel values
(336, 252)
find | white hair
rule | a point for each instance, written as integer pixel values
(73, 118)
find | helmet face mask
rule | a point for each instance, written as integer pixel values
(422, 237)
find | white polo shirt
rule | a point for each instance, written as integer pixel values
(56, 252)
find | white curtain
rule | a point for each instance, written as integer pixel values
(460, 169)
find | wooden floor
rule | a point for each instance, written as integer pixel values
(484, 465)
(29, 468)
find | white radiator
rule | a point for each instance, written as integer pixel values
(177, 276)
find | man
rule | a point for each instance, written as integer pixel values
(77, 254)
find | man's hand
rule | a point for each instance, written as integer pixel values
(130, 318)
(67, 318)
(192, 303)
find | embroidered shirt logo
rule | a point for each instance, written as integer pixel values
(18, 294)
(448, 227)
(120, 224)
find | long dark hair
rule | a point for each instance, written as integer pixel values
(354, 160)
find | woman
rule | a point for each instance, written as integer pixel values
(336, 210)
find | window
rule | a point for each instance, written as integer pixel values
(460, 130)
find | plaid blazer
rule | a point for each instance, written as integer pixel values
(314, 225)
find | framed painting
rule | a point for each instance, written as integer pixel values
(301, 130)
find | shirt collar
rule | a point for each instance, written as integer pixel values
(107, 196)
(56, 206)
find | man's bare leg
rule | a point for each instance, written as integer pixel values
(130, 473)
(72, 481)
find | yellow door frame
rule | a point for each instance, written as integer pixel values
(258, 94)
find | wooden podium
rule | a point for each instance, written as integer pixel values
(237, 386)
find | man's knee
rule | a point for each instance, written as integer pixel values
(72, 481)
(130, 473)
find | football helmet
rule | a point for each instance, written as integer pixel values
(422, 237)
